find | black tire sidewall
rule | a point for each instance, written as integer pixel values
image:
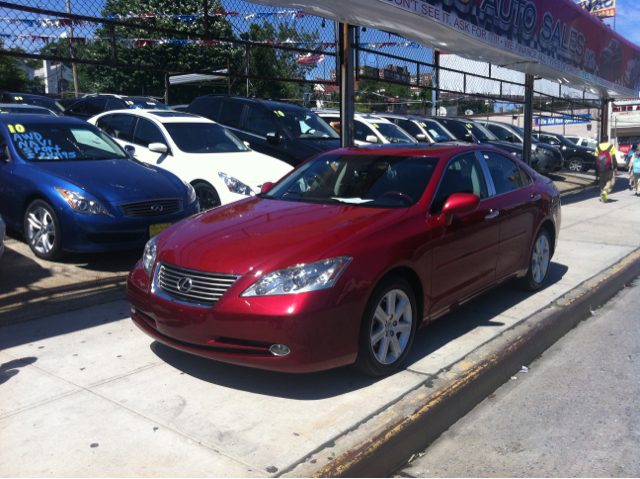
(201, 185)
(57, 243)
(366, 361)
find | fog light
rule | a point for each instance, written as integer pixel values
(279, 350)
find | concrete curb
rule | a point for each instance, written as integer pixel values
(418, 419)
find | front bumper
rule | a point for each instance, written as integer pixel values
(320, 328)
(85, 233)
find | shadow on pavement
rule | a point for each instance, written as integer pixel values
(10, 368)
(301, 387)
(19, 271)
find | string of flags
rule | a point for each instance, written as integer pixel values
(149, 42)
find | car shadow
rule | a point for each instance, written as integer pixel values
(331, 383)
(10, 368)
(301, 387)
(30, 272)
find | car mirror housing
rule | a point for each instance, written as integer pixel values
(158, 147)
(469, 138)
(273, 138)
(459, 204)
(421, 137)
(510, 139)
(130, 150)
(266, 187)
(371, 139)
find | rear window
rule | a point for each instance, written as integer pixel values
(205, 107)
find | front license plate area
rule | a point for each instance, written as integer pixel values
(155, 229)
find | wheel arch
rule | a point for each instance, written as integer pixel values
(551, 229)
(30, 198)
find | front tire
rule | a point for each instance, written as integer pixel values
(42, 230)
(577, 165)
(207, 195)
(539, 262)
(388, 327)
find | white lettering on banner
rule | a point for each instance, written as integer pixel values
(518, 18)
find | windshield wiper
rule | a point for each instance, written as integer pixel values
(353, 201)
(266, 195)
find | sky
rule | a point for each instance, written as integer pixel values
(627, 21)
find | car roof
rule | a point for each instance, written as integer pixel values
(162, 116)
(410, 150)
(268, 103)
(359, 116)
(18, 105)
(28, 119)
(30, 95)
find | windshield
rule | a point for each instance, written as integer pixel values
(480, 132)
(438, 132)
(392, 133)
(32, 111)
(56, 142)
(521, 133)
(306, 125)
(144, 104)
(203, 138)
(373, 181)
(44, 102)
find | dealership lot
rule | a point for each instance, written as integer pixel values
(126, 405)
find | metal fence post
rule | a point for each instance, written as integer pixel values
(435, 81)
(345, 43)
(528, 118)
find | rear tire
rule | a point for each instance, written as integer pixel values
(388, 327)
(207, 196)
(42, 230)
(539, 262)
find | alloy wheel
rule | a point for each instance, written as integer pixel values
(540, 259)
(575, 166)
(41, 230)
(207, 197)
(391, 326)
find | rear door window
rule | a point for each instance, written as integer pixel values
(121, 127)
(231, 114)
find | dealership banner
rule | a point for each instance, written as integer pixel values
(601, 8)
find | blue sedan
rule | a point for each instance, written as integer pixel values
(68, 186)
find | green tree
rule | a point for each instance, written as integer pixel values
(12, 76)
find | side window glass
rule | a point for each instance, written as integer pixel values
(103, 122)
(230, 114)
(114, 105)
(77, 107)
(208, 108)
(526, 178)
(504, 172)
(463, 175)
(457, 129)
(121, 127)
(258, 122)
(147, 133)
(361, 131)
(94, 106)
(410, 127)
(501, 133)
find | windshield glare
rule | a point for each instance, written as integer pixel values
(306, 125)
(373, 181)
(203, 138)
(55, 142)
(392, 133)
(143, 104)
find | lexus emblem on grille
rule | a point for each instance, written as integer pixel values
(185, 284)
(157, 208)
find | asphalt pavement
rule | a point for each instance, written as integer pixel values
(575, 413)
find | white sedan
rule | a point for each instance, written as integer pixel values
(220, 167)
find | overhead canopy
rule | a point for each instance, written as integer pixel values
(552, 39)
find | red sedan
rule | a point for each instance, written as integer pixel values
(343, 259)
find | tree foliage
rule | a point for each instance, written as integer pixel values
(12, 76)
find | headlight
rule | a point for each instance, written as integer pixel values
(564, 147)
(191, 193)
(236, 186)
(80, 204)
(300, 279)
(149, 255)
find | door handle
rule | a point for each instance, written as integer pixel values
(492, 216)
(535, 198)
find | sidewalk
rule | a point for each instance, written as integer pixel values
(87, 394)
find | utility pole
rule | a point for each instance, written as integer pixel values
(72, 50)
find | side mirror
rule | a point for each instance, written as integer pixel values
(246, 143)
(273, 138)
(371, 139)
(421, 137)
(158, 147)
(266, 187)
(459, 204)
(468, 137)
(510, 139)
(130, 150)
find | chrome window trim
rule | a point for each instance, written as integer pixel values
(487, 174)
(496, 195)
(445, 169)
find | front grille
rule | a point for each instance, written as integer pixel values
(151, 208)
(203, 288)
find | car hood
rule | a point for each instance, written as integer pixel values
(263, 235)
(114, 180)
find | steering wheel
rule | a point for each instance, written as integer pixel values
(399, 193)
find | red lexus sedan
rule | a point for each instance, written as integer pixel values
(343, 259)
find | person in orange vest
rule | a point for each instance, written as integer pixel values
(607, 167)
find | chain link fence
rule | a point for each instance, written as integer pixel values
(181, 50)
